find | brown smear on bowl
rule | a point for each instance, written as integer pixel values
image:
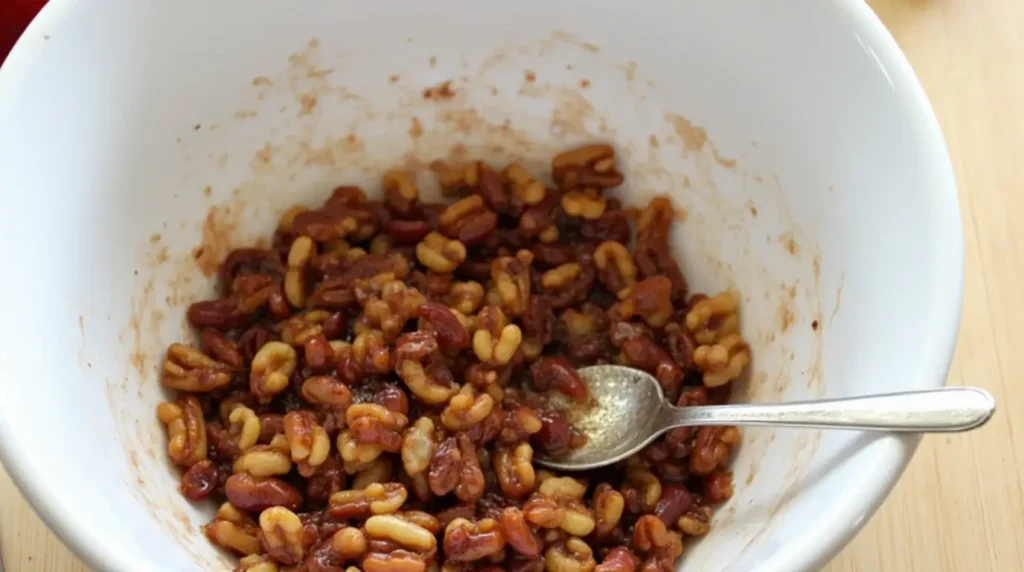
(416, 130)
(218, 234)
(788, 241)
(307, 101)
(441, 91)
(443, 123)
(559, 36)
(694, 138)
(839, 299)
(140, 307)
(138, 434)
(170, 514)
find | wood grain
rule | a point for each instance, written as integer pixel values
(960, 505)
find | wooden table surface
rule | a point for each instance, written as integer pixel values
(960, 505)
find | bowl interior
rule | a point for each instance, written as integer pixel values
(144, 140)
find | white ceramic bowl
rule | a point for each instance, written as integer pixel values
(794, 134)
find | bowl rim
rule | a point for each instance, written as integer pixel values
(892, 461)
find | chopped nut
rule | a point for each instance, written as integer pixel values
(511, 277)
(583, 205)
(186, 430)
(722, 354)
(272, 369)
(498, 351)
(440, 254)
(528, 189)
(287, 221)
(723, 361)
(466, 409)
(246, 425)
(696, 522)
(281, 534)
(560, 276)
(188, 369)
(465, 297)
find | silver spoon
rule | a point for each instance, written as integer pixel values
(629, 411)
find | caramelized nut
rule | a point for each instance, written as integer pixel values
(263, 461)
(466, 409)
(287, 220)
(234, 531)
(302, 251)
(647, 485)
(511, 277)
(590, 166)
(573, 555)
(395, 561)
(379, 471)
(618, 559)
(518, 534)
(255, 495)
(469, 221)
(188, 369)
(307, 440)
(349, 542)
(649, 532)
(529, 190)
(186, 430)
(257, 563)
(246, 425)
(429, 390)
(710, 319)
(418, 446)
(400, 191)
(712, 448)
(466, 541)
(566, 488)
(696, 521)
(281, 535)
(375, 499)
(439, 253)
(495, 342)
(327, 392)
(465, 297)
(651, 299)
(401, 532)
(456, 467)
(561, 276)
(271, 370)
(514, 469)
(608, 506)
(615, 267)
(724, 361)
(582, 205)
(298, 330)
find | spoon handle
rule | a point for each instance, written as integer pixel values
(933, 410)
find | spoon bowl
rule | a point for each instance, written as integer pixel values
(624, 414)
(628, 410)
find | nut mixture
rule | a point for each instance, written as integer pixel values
(371, 390)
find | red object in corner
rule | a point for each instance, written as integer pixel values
(15, 16)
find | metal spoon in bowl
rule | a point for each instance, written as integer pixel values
(628, 411)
